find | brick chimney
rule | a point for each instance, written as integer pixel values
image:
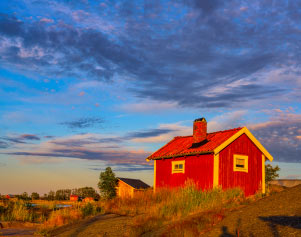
(199, 130)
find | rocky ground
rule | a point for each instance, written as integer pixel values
(275, 215)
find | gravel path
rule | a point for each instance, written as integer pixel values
(276, 215)
(17, 231)
(101, 225)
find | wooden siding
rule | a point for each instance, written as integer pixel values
(198, 168)
(124, 190)
(250, 182)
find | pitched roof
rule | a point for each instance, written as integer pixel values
(215, 142)
(181, 146)
(135, 183)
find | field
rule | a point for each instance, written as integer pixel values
(182, 212)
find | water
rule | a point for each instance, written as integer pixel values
(56, 206)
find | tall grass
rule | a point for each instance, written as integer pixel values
(174, 203)
(170, 205)
(70, 214)
(17, 211)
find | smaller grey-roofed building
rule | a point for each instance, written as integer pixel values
(128, 187)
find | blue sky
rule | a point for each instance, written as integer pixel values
(87, 84)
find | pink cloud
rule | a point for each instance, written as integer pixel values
(47, 20)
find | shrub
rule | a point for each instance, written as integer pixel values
(87, 210)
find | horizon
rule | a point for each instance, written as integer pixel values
(90, 84)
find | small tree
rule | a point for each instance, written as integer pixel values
(51, 195)
(271, 173)
(24, 196)
(35, 196)
(107, 183)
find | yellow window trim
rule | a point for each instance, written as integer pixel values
(244, 130)
(180, 162)
(237, 157)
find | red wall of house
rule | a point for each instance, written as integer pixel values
(250, 182)
(198, 168)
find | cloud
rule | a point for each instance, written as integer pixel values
(280, 136)
(3, 144)
(149, 107)
(149, 133)
(227, 121)
(83, 123)
(15, 139)
(81, 146)
(129, 157)
(193, 61)
(164, 133)
(29, 137)
(49, 136)
(125, 167)
(47, 20)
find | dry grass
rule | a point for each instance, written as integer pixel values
(68, 215)
(171, 205)
(274, 188)
(17, 211)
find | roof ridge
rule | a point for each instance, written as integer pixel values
(128, 178)
(227, 130)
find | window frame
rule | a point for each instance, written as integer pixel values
(240, 157)
(177, 171)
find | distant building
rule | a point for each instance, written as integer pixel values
(10, 196)
(128, 187)
(227, 159)
(88, 199)
(74, 197)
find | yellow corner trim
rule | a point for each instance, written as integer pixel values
(215, 170)
(244, 130)
(263, 174)
(155, 170)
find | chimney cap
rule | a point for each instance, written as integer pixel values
(200, 120)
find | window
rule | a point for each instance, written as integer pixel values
(240, 163)
(178, 166)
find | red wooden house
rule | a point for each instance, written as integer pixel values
(74, 197)
(229, 158)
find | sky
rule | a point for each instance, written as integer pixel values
(90, 84)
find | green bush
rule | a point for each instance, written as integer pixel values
(87, 210)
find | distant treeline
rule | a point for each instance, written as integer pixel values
(61, 194)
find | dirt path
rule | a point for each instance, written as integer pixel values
(101, 225)
(276, 215)
(17, 231)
